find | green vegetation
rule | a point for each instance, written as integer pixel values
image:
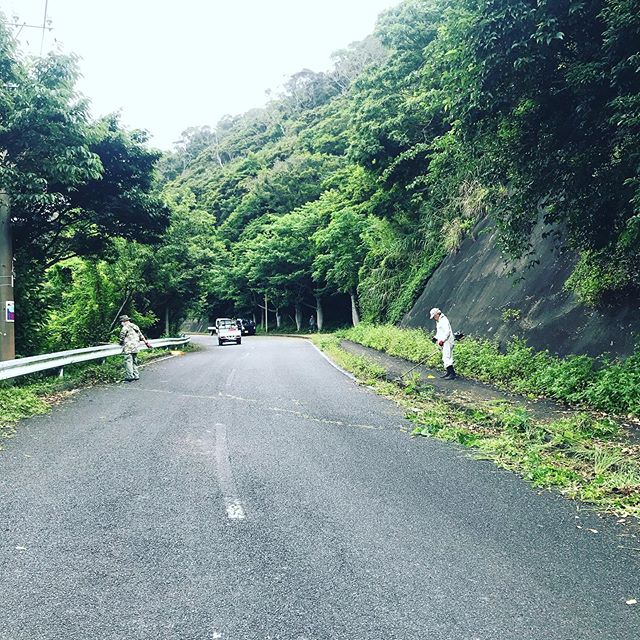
(348, 188)
(366, 370)
(361, 179)
(17, 403)
(612, 386)
(581, 456)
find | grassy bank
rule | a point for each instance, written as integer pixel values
(612, 386)
(582, 457)
(36, 394)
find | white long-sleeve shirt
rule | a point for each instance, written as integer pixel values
(443, 330)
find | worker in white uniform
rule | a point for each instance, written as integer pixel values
(445, 338)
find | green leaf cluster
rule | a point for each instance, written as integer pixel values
(75, 187)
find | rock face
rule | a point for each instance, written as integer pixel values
(484, 297)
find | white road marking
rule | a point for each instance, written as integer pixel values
(235, 510)
(232, 397)
(333, 364)
(337, 423)
(233, 505)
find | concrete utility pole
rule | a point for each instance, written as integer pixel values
(7, 310)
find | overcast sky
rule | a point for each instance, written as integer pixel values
(171, 64)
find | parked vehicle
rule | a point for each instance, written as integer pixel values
(228, 331)
(247, 327)
(214, 328)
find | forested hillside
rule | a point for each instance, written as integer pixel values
(361, 179)
(353, 183)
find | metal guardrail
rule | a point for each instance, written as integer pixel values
(60, 359)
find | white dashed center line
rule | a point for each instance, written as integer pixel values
(233, 505)
(235, 510)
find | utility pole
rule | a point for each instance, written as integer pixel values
(7, 304)
(7, 309)
(45, 26)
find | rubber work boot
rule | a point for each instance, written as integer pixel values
(451, 373)
(445, 375)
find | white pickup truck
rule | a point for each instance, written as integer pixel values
(228, 331)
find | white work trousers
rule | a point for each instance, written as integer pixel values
(447, 354)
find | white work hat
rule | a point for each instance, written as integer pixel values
(433, 312)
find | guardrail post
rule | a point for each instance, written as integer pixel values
(61, 372)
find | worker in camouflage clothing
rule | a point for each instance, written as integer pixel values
(130, 339)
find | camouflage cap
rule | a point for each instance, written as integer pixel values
(124, 318)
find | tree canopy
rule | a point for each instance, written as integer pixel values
(353, 182)
(74, 185)
(526, 112)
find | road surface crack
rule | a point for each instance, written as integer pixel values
(281, 410)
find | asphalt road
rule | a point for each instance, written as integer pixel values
(255, 492)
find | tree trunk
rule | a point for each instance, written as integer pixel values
(298, 317)
(166, 321)
(355, 318)
(217, 147)
(319, 314)
(278, 318)
(266, 314)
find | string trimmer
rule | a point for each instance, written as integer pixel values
(458, 335)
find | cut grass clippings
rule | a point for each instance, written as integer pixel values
(581, 456)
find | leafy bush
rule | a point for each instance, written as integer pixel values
(616, 386)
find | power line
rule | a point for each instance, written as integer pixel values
(22, 25)
(44, 25)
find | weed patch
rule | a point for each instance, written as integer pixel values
(362, 367)
(603, 384)
(16, 404)
(581, 456)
